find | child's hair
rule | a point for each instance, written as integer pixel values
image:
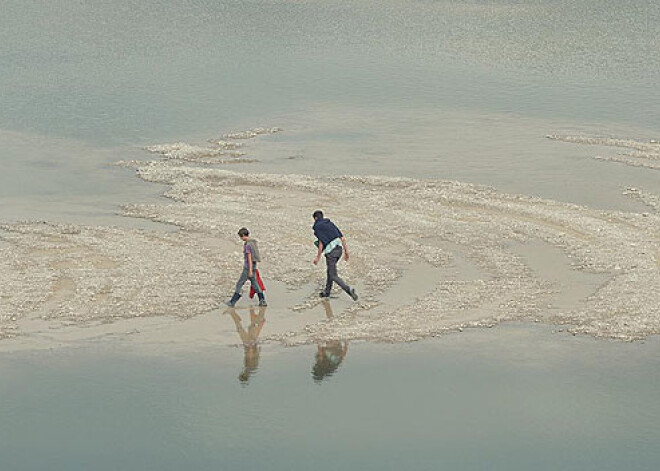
(318, 214)
(243, 232)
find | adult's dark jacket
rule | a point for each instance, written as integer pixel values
(326, 231)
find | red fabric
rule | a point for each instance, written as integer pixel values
(260, 282)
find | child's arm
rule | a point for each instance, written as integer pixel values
(249, 257)
(318, 255)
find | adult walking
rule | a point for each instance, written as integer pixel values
(332, 244)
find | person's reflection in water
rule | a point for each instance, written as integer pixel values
(250, 339)
(329, 354)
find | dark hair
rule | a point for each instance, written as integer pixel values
(318, 214)
(243, 232)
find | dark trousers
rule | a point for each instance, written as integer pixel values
(244, 277)
(331, 260)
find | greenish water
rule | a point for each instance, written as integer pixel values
(124, 72)
(512, 398)
(441, 89)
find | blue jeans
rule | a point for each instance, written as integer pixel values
(244, 277)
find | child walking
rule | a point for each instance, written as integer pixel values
(251, 258)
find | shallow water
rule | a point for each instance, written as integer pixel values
(438, 88)
(431, 90)
(508, 398)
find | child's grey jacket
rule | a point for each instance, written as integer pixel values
(254, 248)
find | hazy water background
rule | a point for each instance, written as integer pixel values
(512, 398)
(441, 89)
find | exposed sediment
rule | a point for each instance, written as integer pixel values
(87, 275)
(251, 133)
(651, 200)
(223, 152)
(640, 154)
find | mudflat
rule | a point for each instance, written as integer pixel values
(427, 257)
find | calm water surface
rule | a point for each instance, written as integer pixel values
(514, 398)
(440, 89)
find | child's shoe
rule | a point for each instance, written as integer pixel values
(234, 299)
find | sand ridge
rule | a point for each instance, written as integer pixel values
(77, 275)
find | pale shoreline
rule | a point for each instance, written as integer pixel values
(428, 257)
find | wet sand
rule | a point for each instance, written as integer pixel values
(428, 257)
